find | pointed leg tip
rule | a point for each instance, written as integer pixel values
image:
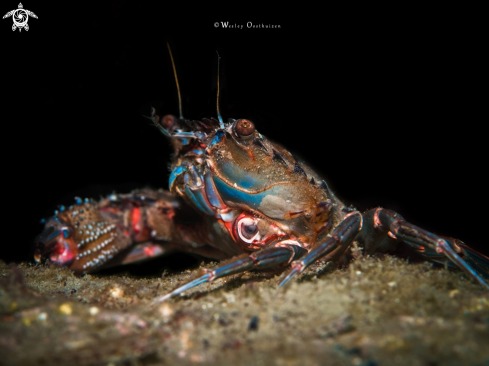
(484, 284)
(199, 280)
(162, 299)
(292, 273)
(462, 264)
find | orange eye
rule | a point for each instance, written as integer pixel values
(167, 121)
(244, 128)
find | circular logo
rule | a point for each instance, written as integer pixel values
(20, 17)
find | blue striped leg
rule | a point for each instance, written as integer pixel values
(341, 238)
(264, 258)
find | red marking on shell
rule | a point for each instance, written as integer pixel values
(136, 215)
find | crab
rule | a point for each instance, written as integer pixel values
(235, 196)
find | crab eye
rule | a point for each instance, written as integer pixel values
(244, 128)
(168, 121)
(248, 230)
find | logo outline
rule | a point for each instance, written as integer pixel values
(20, 16)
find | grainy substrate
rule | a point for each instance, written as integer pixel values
(376, 312)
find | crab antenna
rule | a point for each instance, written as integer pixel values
(221, 123)
(176, 81)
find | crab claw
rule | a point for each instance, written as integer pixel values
(81, 237)
(56, 243)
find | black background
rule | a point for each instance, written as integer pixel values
(390, 111)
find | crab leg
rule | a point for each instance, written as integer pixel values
(268, 257)
(477, 260)
(149, 250)
(390, 223)
(340, 239)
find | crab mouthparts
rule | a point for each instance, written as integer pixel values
(59, 250)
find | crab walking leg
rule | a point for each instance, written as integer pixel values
(149, 250)
(390, 222)
(341, 238)
(475, 259)
(268, 257)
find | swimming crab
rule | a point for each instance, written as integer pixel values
(234, 195)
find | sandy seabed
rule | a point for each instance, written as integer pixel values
(374, 312)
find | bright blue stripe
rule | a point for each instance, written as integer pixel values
(240, 176)
(230, 193)
(217, 138)
(174, 175)
(198, 199)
